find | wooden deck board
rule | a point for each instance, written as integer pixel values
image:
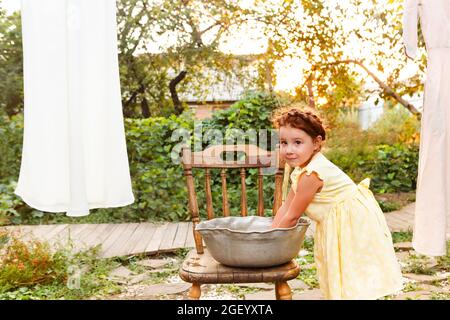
(168, 237)
(115, 242)
(40, 232)
(88, 233)
(76, 230)
(117, 247)
(410, 208)
(180, 238)
(24, 231)
(111, 236)
(54, 232)
(107, 231)
(396, 224)
(155, 242)
(141, 238)
(402, 216)
(80, 242)
(64, 237)
(92, 239)
(60, 234)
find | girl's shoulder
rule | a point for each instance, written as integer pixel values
(318, 164)
(331, 175)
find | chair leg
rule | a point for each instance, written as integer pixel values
(195, 292)
(277, 296)
(282, 291)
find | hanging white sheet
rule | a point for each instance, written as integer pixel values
(74, 151)
(433, 181)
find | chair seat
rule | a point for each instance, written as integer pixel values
(203, 268)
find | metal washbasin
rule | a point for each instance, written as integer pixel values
(250, 241)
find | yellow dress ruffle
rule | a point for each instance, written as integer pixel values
(353, 250)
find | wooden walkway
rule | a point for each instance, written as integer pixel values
(148, 238)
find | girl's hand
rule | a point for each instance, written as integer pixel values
(283, 209)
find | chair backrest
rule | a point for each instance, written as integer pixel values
(212, 158)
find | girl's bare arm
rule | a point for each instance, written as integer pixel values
(283, 209)
(307, 187)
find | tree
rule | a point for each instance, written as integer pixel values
(319, 31)
(193, 30)
(144, 81)
(322, 33)
(148, 80)
(197, 29)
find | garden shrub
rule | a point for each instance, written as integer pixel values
(32, 270)
(392, 168)
(349, 148)
(27, 263)
(159, 185)
(387, 153)
(251, 113)
(9, 204)
(396, 125)
(11, 135)
(395, 168)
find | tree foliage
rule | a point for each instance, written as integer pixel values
(188, 34)
(347, 45)
(11, 76)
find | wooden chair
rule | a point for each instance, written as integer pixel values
(200, 267)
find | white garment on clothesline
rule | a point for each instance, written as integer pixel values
(74, 151)
(433, 182)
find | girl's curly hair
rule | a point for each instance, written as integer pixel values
(299, 118)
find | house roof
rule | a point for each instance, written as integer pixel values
(229, 88)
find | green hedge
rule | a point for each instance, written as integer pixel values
(158, 182)
(11, 136)
(392, 168)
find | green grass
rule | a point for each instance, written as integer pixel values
(309, 277)
(403, 236)
(182, 252)
(236, 290)
(444, 262)
(305, 260)
(440, 296)
(411, 287)
(388, 206)
(162, 276)
(308, 244)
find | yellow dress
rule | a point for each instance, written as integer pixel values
(353, 249)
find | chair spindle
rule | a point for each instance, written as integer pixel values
(260, 193)
(225, 205)
(244, 194)
(209, 206)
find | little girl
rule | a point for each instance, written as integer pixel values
(353, 249)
